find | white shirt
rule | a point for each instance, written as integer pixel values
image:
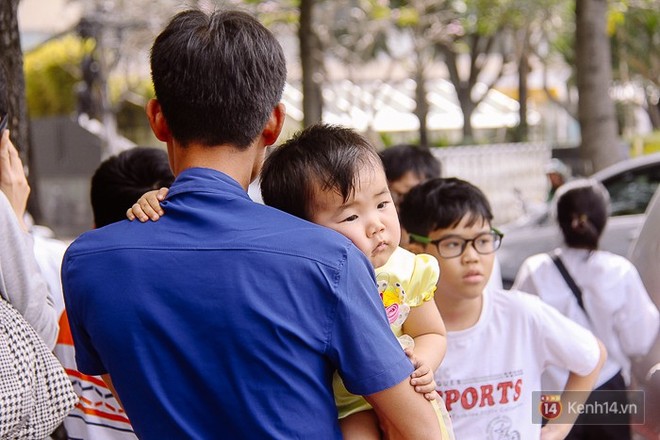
(621, 314)
(491, 369)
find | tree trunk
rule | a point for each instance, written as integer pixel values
(522, 134)
(311, 60)
(596, 114)
(422, 105)
(467, 107)
(11, 57)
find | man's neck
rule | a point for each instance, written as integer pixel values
(237, 164)
(459, 315)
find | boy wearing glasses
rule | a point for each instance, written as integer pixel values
(499, 342)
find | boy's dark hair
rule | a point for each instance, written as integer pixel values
(582, 209)
(442, 203)
(321, 156)
(122, 179)
(217, 77)
(400, 159)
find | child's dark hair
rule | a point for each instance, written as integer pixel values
(403, 158)
(325, 157)
(582, 208)
(122, 179)
(442, 203)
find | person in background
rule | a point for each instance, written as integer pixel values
(406, 166)
(557, 173)
(599, 290)
(116, 184)
(227, 317)
(21, 282)
(499, 342)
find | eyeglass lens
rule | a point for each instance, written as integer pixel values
(485, 243)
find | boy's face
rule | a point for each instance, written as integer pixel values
(368, 218)
(463, 277)
(403, 185)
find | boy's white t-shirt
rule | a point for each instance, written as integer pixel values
(491, 369)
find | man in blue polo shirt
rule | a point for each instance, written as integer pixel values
(226, 318)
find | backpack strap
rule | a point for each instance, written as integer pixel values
(569, 280)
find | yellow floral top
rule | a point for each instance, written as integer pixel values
(406, 280)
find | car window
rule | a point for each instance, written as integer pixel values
(631, 191)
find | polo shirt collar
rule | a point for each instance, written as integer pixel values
(206, 180)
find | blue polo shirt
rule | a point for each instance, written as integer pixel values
(227, 318)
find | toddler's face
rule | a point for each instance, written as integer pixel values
(368, 218)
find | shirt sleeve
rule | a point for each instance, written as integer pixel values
(368, 356)
(565, 344)
(424, 279)
(637, 322)
(88, 360)
(21, 282)
(524, 280)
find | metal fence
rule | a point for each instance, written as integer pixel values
(511, 175)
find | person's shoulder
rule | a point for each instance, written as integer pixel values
(536, 261)
(95, 240)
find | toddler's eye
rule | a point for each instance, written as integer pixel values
(382, 205)
(351, 218)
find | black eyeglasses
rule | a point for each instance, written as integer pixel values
(453, 246)
(3, 122)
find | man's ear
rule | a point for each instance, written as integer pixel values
(157, 121)
(274, 125)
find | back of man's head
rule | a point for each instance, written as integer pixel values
(120, 180)
(217, 77)
(404, 158)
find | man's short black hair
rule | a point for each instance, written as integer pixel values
(403, 158)
(120, 181)
(217, 77)
(441, 204)
(322, 156)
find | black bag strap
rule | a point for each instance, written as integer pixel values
(569, 280)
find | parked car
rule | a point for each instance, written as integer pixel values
(631, 185)
(645, 254)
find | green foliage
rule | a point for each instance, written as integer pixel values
(635, 30)
(51, 74)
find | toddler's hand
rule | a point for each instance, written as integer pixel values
(148, 206)
(422, 378)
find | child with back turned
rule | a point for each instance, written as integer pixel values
(498, 342)
(332, 176)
